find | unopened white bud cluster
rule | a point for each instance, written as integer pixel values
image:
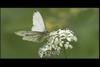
(56, 42)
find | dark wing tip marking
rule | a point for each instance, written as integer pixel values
(35, 10)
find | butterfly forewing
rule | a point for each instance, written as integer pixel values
(38, 23)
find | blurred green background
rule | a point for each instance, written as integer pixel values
(83, 21)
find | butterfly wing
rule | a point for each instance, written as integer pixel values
(32, 36)
(38, 23)
(38, 33)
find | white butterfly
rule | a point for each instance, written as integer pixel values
(38, 32)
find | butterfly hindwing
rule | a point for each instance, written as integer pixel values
(32, 36)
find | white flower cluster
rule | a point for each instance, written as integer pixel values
(56, 42)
